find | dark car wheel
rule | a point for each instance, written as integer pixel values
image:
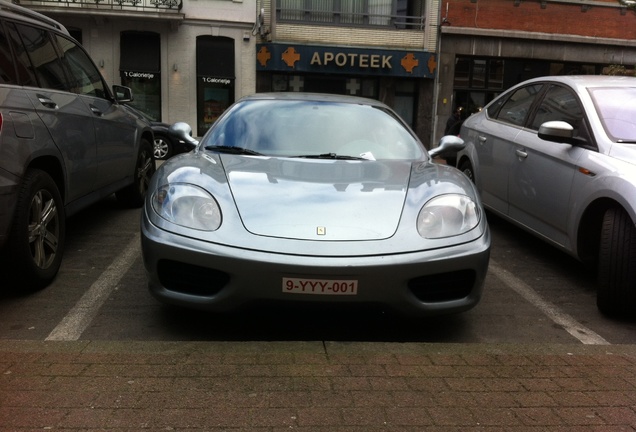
(617, 264)
(467, 169)
(134, 194)
(36, 242)
(163, 148)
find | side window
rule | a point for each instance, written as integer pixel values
(559, 103)
(85, 79)
(7, 67)
(516, 107)
(24, 68)
(41, 51)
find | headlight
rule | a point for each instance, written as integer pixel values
(447, 216)
(187, 205)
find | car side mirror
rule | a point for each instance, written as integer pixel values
(447, 145)
(557, 131)
(183, 131)
(122, 94)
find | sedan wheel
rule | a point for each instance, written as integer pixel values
(163, 148)
(467, 169)
(617, 264)
(36, 242)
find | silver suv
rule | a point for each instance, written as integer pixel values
(66, 141)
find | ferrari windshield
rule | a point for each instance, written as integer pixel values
(313, 129)
(616, 108)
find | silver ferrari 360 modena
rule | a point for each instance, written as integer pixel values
(314, 199)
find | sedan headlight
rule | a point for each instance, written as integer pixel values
(447, 216)
(187, 205)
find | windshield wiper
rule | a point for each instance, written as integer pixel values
(233, 150)
(330, 156)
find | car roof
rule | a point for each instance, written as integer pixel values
(314, 97)
(19, 13)
(587, 81)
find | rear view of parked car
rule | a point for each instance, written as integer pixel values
(557, 156)
(65, 142)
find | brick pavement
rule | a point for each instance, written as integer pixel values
(315, 386)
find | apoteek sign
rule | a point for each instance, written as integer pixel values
(344, 60)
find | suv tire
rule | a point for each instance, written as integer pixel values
(36, 242)
(134, 194)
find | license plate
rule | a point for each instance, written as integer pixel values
(320, 286)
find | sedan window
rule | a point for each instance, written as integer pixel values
(516, 107)
(616, 108)
(559, 103)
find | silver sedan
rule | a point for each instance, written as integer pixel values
(556, 155)
(314, 199)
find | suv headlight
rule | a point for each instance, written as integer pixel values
(187, 205)
(447, 216)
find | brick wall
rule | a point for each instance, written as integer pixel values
(570, 18)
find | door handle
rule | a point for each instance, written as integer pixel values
(96, 111)
(47, 102)
(482, 139)
(521, 154)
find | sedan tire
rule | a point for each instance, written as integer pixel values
(468, 171)
(617, 264)
(134, 194)
(36, 242)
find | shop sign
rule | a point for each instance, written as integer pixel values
(139, 75)
(344, 60)
(215, 80)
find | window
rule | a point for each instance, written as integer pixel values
(394, 13)
(516, 107)
(85, 78)
(43, 57)
(559, 103)
(7, 68)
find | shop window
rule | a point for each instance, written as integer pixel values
(139, 65)
(215, 79)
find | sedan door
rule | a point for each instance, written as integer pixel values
(542, 172)
(494, 134)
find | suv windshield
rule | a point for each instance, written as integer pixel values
(616, 108)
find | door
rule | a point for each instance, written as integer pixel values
(542, 172)
(67, 119)
(114, 126)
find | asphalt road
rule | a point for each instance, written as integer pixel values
(533, 294)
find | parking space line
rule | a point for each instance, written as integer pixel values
(80, 316)
(569, 324)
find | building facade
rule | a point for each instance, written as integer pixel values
(489, 45)
(185, 61)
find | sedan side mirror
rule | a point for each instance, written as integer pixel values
(448, 144)
(183, 131)
(559, 132)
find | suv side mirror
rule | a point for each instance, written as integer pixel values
(122, 94)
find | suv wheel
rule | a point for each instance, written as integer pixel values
(617, 264)
(134, 194)
(36, 242)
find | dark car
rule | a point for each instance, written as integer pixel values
(166, 145)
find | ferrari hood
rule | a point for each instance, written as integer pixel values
(313, 199)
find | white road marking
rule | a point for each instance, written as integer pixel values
(569, 324)
(79, 318)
